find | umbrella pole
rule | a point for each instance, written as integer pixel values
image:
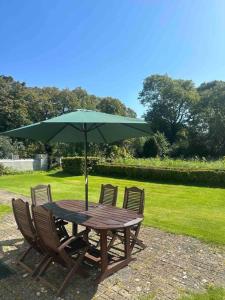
(85, 166)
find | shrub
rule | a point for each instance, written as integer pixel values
(157, 145)
(196, 177)
(8, 147)
(75, 165)
(5, 170)
(150, 148)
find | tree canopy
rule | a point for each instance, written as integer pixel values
(186, 121)
(168, 102)
(22, 105)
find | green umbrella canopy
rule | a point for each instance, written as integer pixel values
(70, 127)
(83, 126)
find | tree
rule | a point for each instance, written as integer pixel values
(168, 102)
(9, 148)
(66, 101)
(85, 100)
(115, 107)
(207, 128)
(41, 103)
(13, 106)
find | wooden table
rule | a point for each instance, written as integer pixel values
(103, 218)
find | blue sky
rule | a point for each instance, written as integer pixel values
(109, 47)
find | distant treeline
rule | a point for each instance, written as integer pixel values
(186, 121)
(21, 105)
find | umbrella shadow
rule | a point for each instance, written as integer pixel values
(65, 214)
(166, 182)
(60, 174)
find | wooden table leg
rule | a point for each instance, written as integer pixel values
(127, 246)
(107, 269)
(103, 249)
(104, 254)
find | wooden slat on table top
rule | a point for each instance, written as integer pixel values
(105, 215)
(97, 217)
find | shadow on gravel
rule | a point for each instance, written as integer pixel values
(80, 287)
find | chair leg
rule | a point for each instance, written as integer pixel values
(44, 266)
(22, 257)
(38, 268)
(71, 273)
(114, 237)
(111, 242)
(133, 237)
(136, 240)
(66, 280)
(20, 260)
(141, 244)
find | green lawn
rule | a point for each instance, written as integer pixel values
(211, 294)
(195, 211)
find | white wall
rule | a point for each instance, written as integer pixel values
(25, 164)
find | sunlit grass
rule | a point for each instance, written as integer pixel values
(194, 164)
(190, 210)
(211, 294)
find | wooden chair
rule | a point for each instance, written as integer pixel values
(40, 195)
(69, 254)
(108, 194)
(133, 200)
(24, 222)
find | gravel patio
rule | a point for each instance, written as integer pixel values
(170, 266)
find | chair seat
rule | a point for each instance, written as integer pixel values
(76, 245)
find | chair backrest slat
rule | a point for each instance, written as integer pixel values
(46, 229)
(23, 219)
(108, 195)
(41, 194)
(134, 199)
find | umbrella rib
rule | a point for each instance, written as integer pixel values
(75, 127)
(133, 127)
(94, 126)
(102, 135)
(55, 134)
(61, 129)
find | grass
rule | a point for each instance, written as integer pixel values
(4, 209)
(193, 164)
(189, 210)
(212, 293)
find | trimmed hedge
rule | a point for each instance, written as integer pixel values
(75, 165)
(214, 178)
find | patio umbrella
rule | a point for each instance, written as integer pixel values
(83, 126)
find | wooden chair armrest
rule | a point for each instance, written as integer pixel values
(66, 243)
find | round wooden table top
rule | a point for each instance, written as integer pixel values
(98, 216)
